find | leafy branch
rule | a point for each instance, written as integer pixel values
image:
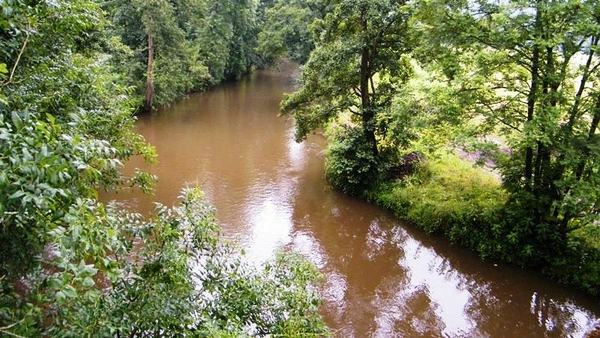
(14, 68)
(4, 329)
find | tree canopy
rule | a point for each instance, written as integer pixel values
(167, 49)
(71, 266)
(356, 67)
(513, 84)
(528, 72)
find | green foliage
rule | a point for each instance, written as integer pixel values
(467, 205)
(356, 67)
(286, 31)
(110, 273)
(579, 265)
(71, 267)
(177, 67)
(351, 165)
(64, 126)
(525, 72)
(420, 116)
(450, 197)
(196, 44)
(514, 82)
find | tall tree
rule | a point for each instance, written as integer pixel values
(356, 66)
(286, 29)
(229, 39)
(528, 72)
(159, 56)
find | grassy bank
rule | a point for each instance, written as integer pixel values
(448, 196)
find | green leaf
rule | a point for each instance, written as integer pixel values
(7, 12)
(60, 297)
(17, 121)
(76, 232)
(17, 194)
(70, 291)
(88, 282)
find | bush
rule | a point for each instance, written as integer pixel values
(579, 265)
(450, 197)
(110, 273)
(352, 167)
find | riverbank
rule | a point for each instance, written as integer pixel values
(449, 197)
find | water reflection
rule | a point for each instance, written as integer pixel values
(269, 221)
(382, 279)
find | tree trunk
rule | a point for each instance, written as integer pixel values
(541, 179)
(150, 75)
(531, 99)
(586, 72)
(368, 116)
(591, 133)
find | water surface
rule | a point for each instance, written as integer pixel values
(383, 278)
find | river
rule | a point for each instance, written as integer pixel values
(382, 277)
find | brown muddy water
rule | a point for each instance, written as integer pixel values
(382, 277)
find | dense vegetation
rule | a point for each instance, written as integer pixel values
(70, 266)
(512, 84)
(167, 49)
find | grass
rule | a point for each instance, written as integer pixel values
(445, 195)
(451, 197)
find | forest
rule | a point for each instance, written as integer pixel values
(473, 120)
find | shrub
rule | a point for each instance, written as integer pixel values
(579, 264)
(352, 167)
(111, 273)
(448, 196)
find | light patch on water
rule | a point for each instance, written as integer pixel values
(270, 224)
(269, 210)
(296, 152)
(549, 313)
(334, 293)
(377, 240)
(307, 246)
(448, 299)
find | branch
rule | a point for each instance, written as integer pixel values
(499, 119)
(379, 36)
(3, 329)
(11, 334)
(14, 68)
(594, 68)
(354, 111)
(372, 86)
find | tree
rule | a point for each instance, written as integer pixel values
(65, 128)
(172, 48)
(286, 29)
(357, 65)
(229, 39)
(158, 57)
(528, 71)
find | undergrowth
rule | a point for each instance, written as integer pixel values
(447, 196)
(450, 197)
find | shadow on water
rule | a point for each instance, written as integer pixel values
(382, 278)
